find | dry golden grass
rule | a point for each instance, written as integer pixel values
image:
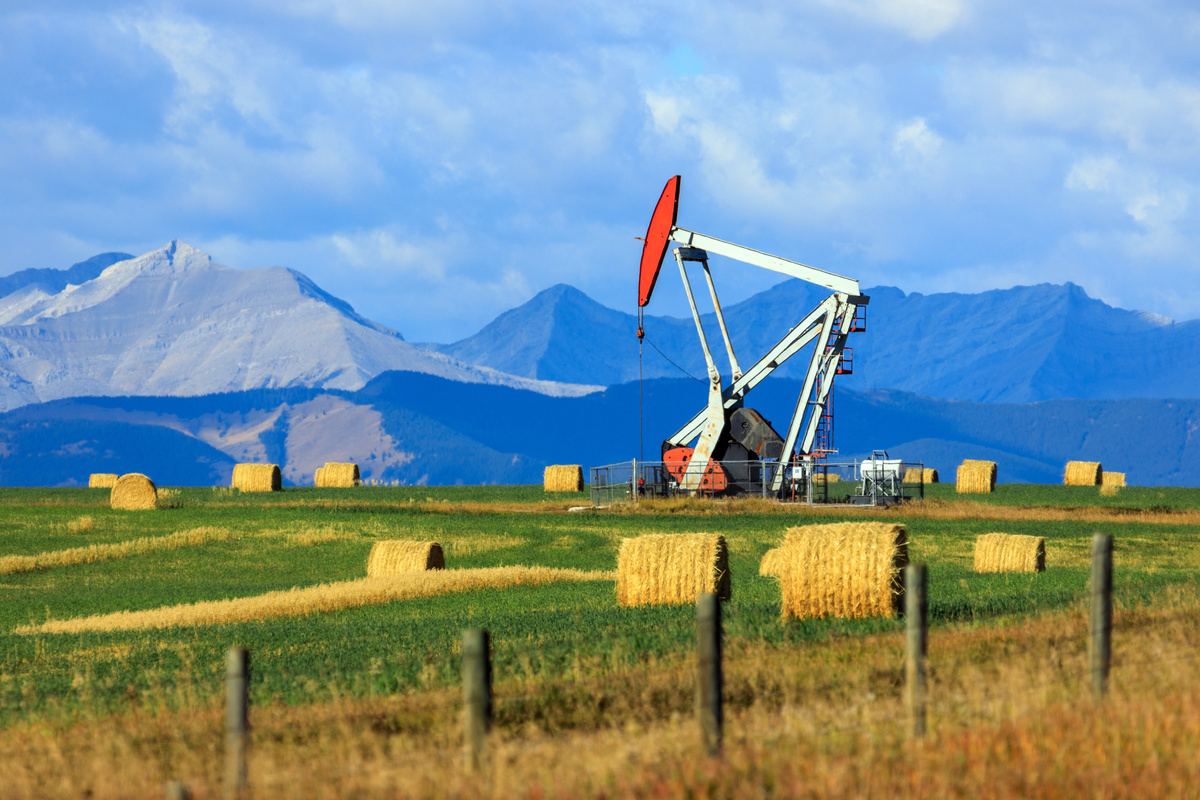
(102, 480)
(563, 478)
(257, 478)
(1008, 718)
(672, 568)
(851, 569)
(82, 525)
(133, 492)
(107, 552)
(1083, 473)
(1002, 552)
(319, 599)
(1115, 479)
(976, 477)
(312, 537)
(399, 556)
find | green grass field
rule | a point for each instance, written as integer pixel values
(302, 537)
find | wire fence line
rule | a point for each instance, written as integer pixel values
(483, 700)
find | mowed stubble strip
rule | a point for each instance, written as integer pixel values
(318, 599)
(94, 553)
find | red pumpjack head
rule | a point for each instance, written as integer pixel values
(658, 239)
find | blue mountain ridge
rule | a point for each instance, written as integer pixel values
(1025, 344)
(52, 281)
(452, 429)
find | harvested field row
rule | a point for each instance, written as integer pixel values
(106, 552)
(323, 598)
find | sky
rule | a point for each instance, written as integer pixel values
(436, 164)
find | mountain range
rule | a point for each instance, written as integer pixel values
(173, 364)
(416, 428)
(1018, 345)
(174, 322)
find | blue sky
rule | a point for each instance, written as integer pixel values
(438, 163)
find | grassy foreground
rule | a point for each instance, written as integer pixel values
(364, 700)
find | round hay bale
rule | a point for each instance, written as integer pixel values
(319, 478)
(976, 477)
(846, 569)
(102, 480)
(340, 475)
(134, 492)
(672, 569)
(1113, 479)
(257, 477)
(1083, 473)
(563, 478)
(1002, 552)
(397, 556)
(774, 563)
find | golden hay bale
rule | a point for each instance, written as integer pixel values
(849, 569)
(133, 492)
(339, 475)
(976, 477)
(319, 478)
(1002, 552)
(396, 556)
(257, 477)
(563, 478)
(931, 475)
(1083, 473)
(819, 478)
(919, 475)
(1112, 479)
(102, 480)
(672, 568)
(1109, 490)
(773, 561)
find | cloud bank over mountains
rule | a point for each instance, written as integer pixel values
(436, 164)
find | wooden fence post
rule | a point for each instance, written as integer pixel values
(709, 678)
(237, 707)
(915, 613)
(1100, 628)
(477, 695)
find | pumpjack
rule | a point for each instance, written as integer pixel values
(722, 449)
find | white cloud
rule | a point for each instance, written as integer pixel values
(923, 20)
(398, 150)
(916, 137)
